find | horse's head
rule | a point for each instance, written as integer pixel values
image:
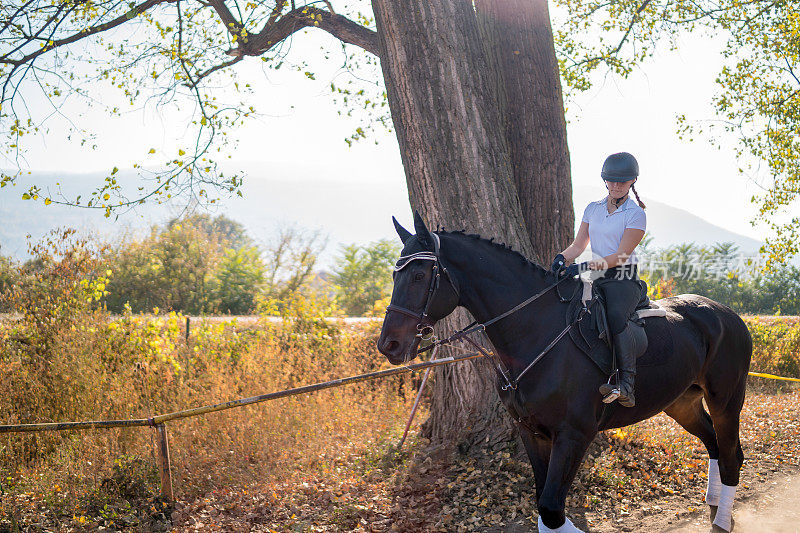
(423, 294)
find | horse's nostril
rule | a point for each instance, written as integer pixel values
(390, 346)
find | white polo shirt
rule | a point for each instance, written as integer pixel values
(605, 230)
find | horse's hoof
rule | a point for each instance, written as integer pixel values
(712, 511)
(716, 529)
(566, 527)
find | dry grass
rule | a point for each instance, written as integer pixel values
(324, 459)
(136, 367)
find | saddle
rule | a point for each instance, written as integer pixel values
(591, 333)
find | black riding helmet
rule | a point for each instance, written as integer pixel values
(620, 167)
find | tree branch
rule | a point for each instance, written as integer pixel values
(199, 76)
(622, 41)
(231, 23)
(296, 19)
(134, 11)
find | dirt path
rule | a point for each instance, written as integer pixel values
(775, 510)
(763, 507)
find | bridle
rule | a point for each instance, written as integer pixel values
(424, 321)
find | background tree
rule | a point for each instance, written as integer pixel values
(238, 281)
(290, 259)
(723, 274)
(196, 264)
(220, 229)
(758, 102)
(169, 270)
(362, 275)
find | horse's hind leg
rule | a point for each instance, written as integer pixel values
(688, 411)
(725, 410)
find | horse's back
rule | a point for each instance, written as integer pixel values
(722, 329)
(700, 341)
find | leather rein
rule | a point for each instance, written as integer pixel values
(425, 323)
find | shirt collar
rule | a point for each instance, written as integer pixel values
(628, 204)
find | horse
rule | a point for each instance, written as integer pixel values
(556, 405)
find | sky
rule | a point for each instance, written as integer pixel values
(300, 134)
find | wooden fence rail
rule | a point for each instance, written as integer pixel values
(158, 422)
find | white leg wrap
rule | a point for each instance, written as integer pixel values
(725, 509)
(568, 527)
(714, 482)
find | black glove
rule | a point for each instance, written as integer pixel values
(558, 263)
(575, 269)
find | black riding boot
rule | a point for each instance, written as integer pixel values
(629, 344)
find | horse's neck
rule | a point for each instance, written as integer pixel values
(492, 281)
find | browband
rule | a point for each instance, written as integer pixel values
(404, 260)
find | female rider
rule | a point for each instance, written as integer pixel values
(614, 225)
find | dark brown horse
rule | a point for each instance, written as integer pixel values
(703, 352)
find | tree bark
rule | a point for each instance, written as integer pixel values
(518, 40)
(466, 163)
(452, 141)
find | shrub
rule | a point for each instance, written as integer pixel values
(776, 345)
(137, 366)
(362, 275)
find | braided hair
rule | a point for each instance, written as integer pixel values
(639, 200)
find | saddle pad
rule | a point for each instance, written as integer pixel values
(586, 335)
(653, 310)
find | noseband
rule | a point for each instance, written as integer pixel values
(424, 321)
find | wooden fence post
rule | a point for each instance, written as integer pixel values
(162, 449)
(187, 330)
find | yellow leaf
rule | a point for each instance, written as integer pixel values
(152, 151)
(181, 152)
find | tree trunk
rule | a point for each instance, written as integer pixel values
(459, 154)
(452, 141)
(519, 48)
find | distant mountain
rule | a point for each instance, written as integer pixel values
(346, 212)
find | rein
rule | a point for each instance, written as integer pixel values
(425, 323)
(475, 327)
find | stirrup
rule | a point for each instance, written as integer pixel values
(611, 395)
(610, 392)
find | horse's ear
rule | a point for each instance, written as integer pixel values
(401, 231)
(423, 234)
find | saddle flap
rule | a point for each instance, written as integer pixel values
(591, 335)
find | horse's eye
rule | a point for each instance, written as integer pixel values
(419, 276)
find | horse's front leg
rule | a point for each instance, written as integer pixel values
(569, 446)
(539, 449)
